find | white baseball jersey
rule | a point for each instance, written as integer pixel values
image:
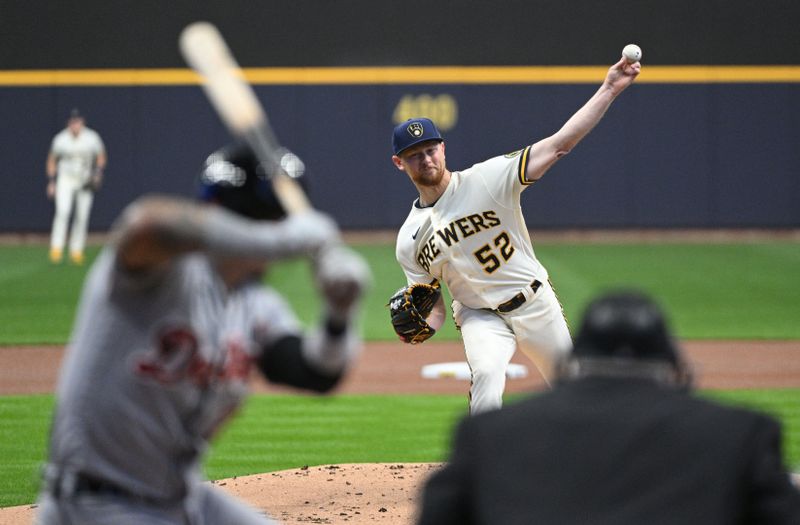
(76, 154)
(154, 367)
(474, 237)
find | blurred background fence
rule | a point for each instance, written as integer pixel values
(707, 138)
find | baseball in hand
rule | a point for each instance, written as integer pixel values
(632, 53)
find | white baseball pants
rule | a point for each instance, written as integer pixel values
(537, 327)
(69, 191)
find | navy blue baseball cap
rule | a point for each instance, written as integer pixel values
(412, 132)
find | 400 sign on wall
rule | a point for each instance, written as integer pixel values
(442, 109)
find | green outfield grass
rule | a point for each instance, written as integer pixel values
(726, 291)
(277, 432)
(37, 299)
(723, 291)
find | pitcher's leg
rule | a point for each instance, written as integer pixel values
(489, 346)
(542, 331)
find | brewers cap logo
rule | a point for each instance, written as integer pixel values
(415, 129)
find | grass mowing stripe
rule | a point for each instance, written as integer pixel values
(728, 291)
(37, 298)
(279, 432)
(351, 429)
(24, 424)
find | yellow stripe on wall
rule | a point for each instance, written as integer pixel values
(98, 77)
(406, 75)
(719, 74)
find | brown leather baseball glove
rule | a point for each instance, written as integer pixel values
(409, 307)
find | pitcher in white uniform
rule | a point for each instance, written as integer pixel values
(467, 230)
(172, 321)
(75, 167)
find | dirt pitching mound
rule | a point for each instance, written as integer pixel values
(348, 493)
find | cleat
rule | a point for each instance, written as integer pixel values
(76, 258)
(55, 255)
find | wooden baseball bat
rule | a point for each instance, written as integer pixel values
(236, 103)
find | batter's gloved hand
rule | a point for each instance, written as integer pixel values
(409, 307)
(343, 276)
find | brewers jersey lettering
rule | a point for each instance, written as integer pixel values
(474, 239)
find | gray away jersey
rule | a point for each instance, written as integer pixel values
(154, 367)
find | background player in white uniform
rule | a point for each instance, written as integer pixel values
(75, 167)
(467, 230)
(172, 320)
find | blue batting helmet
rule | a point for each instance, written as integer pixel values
(233, 178)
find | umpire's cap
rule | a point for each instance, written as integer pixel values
(627, 325)
(412, 132)
(233, 178)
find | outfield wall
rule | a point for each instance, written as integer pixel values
(711, 145)
(664, 156)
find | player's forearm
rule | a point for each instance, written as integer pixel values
(331, 347)
(316, 360)
(438, 314)
(51, 166)
(583, 121)
(153, 230)
(619, 77)
(157, 229)
(101, 161)
(342, 277)
(283, 362)
(548, 151)
(227, 234)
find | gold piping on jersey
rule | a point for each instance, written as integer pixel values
(561, 306)
(523, 167)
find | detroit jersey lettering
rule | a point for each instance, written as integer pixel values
(474, 238)
(187, 357)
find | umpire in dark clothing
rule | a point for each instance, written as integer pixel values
(618, 440)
